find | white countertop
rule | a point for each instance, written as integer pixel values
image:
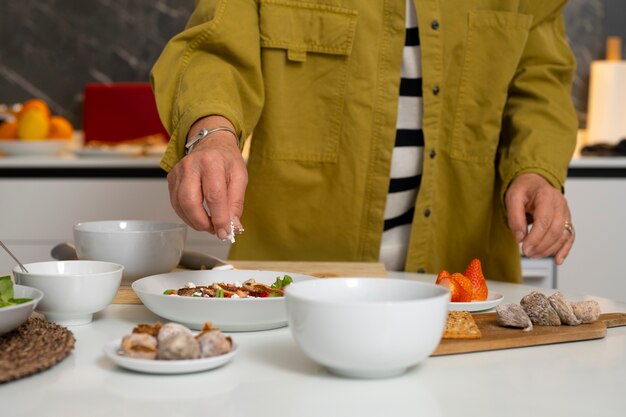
(598, 162)
(271, 377)
(72, 161)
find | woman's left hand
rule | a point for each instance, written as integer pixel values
(552, 233)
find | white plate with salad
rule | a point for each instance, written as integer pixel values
(238, 300)
(17, 302)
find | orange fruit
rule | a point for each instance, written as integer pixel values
(36, 103)
(8, 129)
(33, 124)
(60, 128)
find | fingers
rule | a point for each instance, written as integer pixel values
(562, 253)
(215, 191)
(236, 195)
(516, 214)
(187, 198)
(545, 230)
(548, 207)
(207, 189)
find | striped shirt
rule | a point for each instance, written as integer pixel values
(406, 161)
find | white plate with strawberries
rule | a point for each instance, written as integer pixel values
(493, 299)
(468, 291)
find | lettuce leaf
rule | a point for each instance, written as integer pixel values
(6, 293)
(282, 283)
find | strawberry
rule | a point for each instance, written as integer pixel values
(443, 274)
(467, 293)
(457, 287)
(475, 274)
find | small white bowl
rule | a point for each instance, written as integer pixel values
(366, 327)
(144, 247)
(12, 317)
(73, 290)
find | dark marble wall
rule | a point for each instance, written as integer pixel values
(586, 28)
(52, 48)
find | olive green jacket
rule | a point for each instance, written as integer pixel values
(318, 80)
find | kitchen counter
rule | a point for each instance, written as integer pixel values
(69, 166)
(597, 167)
(579, 166)
(270, 376)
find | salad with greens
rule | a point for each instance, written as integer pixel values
(6, 293)
(248, 289)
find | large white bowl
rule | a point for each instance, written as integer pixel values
(228, 314)
(73, 290)
(366, 327)
(11, 317)
(143, 247)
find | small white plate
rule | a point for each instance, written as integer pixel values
(44, 147)
(119, 151)
(156, 366)
(493, 299)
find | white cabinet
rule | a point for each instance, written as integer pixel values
(597, 262)
(38, 213)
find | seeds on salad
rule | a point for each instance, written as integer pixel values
(249, 289)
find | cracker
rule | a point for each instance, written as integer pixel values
(461, 325)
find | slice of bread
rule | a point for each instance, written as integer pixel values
(461, 325)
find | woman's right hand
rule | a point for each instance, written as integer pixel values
(213, 172)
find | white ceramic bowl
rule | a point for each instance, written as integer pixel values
(73, 290)
(366, 327)
(11, 317)
(228, 314)
(143, 247)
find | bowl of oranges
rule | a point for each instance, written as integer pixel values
(30, 129)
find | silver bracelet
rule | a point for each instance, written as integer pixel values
(203, 133)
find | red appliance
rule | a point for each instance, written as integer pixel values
(120, 111)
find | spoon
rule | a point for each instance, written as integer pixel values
(64, 252)
(22, 267)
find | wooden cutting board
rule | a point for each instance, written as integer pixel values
(126, 295)
(495, 337)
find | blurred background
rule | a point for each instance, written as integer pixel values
(52, 48)
(80, 57)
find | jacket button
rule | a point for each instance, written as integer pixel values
(432, 153)
(427, 213)
(436, 90)
(434, 25)
(421, 271)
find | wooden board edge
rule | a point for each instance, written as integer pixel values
(476, 345)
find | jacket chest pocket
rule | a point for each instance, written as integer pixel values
(495, 43)
(305, 57)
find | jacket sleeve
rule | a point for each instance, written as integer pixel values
(539, 122)
(211, 68)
